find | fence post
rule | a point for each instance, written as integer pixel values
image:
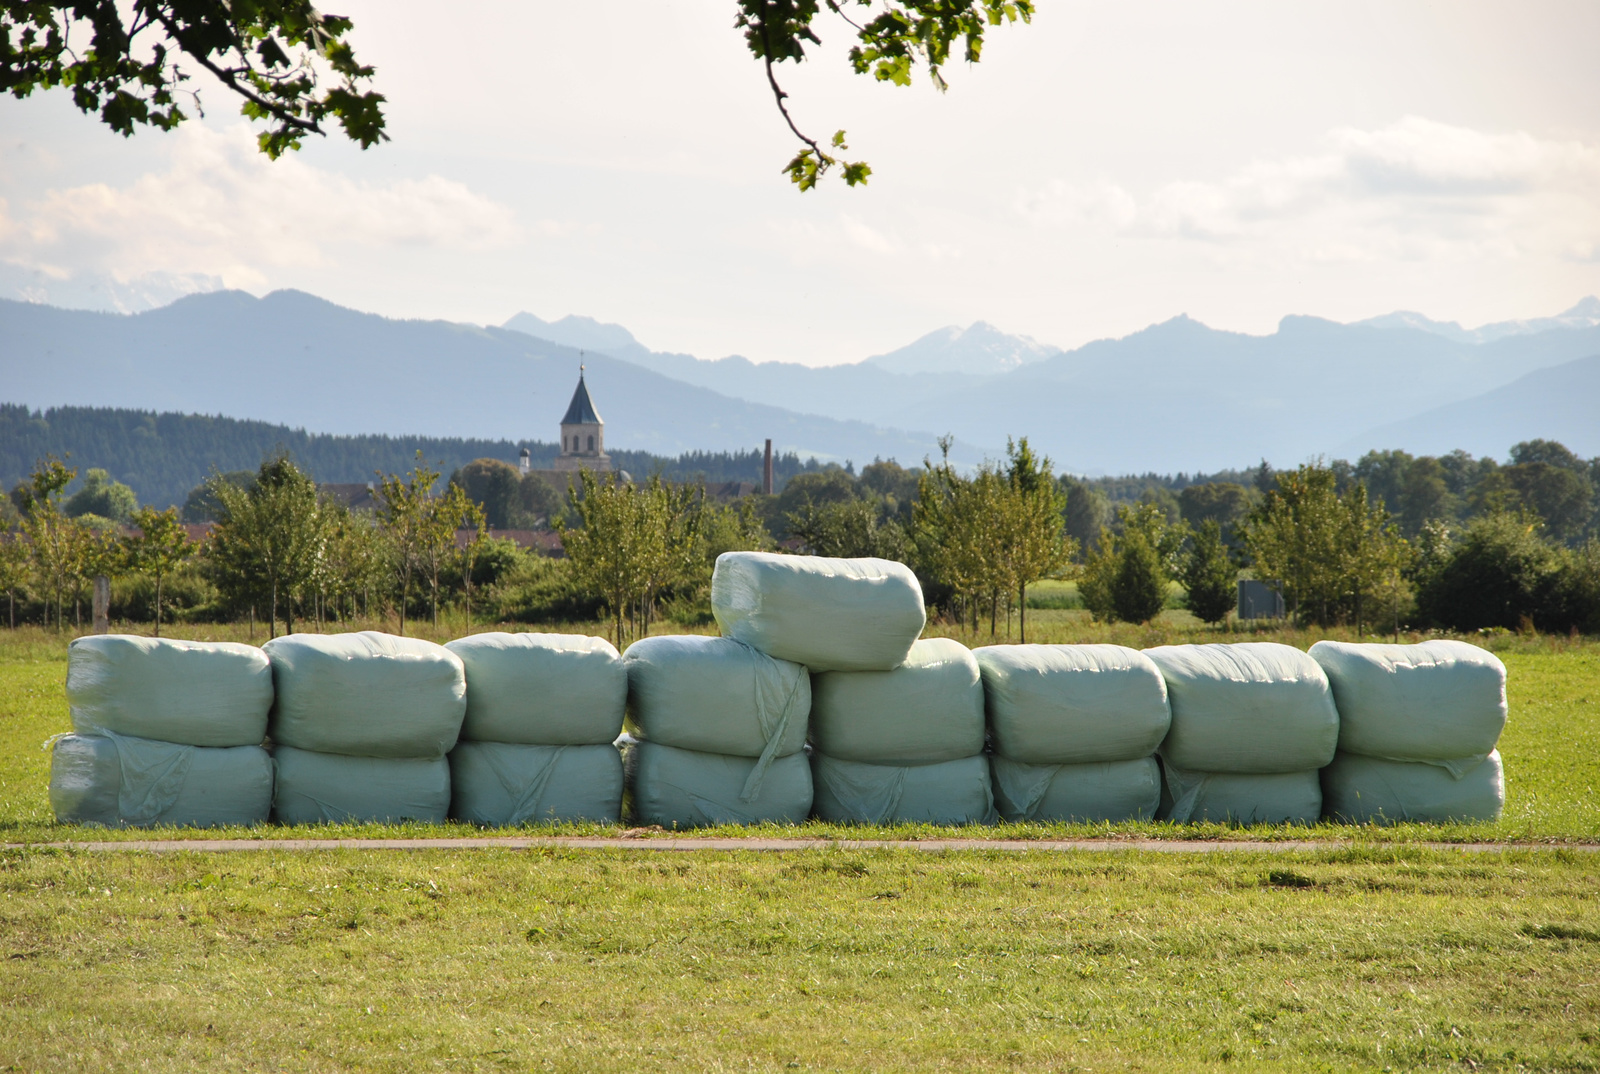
(102, 604)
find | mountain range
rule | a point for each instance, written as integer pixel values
(1176, 395)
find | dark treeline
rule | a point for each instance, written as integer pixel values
(162, 457)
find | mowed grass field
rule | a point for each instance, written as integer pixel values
(1371, 953)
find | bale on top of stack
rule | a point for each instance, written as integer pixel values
(721, 727)
(361, 725)
(1252, 723)
(1074, 729)
(165, 733)
(1418, 726)
(838, 617)
(543, 712)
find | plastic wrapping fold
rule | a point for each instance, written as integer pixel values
(366, 694)
(828, 614)
(1073, 704)
(500, 784)
(1438, 701)
(716, 695)
(119, 781)
(953, 793)
(190, 692)
(1240, 798)
(541, 689)
(680, 789)
(1254, 707)
(926, 711)
(1370, 790)
(331, 788)
(1083, 793)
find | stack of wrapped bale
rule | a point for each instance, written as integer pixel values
(1252, 725)
(361, 725)
(721, 727)
(1074, 730)
(165, 733)
(896, 724)
(1418, 726)
(543, 712)
(904, 744)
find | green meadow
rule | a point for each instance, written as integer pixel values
(1370, 953)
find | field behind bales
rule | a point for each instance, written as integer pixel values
(1371, 953)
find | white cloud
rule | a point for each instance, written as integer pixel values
(1416, 189)
(221, 209)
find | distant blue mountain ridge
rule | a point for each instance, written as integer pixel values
(1175, 396)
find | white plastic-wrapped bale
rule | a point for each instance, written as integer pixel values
(366, 694)
(331, 788)
(926, 711)
(681, 789)
(717, 695)
(1240, 797)
(1073, 704)
(828, 614)
(541, 689)
(1254, 707)
(191, 692)
(1370, 790)
(952, 793)
(500, 784)
(119, 781)
(1441, 701)
(1090, 793)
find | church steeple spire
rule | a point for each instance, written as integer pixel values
(583, 433)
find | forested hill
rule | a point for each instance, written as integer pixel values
(162, 456)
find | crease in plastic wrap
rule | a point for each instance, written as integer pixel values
(828, 614)
(331, 788)
(1249, 708)
(1245, 798)
(927, 710)
(678, 788)
(541, 689)
(1073, 704)
(1091, 793)
(1371, 790)
(116, 780)
(1438, 702)
(500, 784)
(950, 793)
(366, 694)
(718, 695)
(190, 692)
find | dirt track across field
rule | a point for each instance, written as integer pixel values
(679, 843)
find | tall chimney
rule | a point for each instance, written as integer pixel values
(766, 472)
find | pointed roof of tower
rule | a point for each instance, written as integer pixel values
(581, 411)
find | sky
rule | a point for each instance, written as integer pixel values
(1110, 166)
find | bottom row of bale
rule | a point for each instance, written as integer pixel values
(508, 729)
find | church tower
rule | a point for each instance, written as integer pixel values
(583, 434)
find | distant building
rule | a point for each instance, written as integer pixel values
(583, 435)
(1260, 600)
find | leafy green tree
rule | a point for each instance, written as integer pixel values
(403, 516)
(270, 539)
(1334, 554)
(160, 547)
(356, 559)
(1224, 502)
(851, 529)
(126, 62)
(99, 495)
(13, 570)
(952, 523)
(1494, 575)
(1208, 573)
(442, 516)
(538, 500)
(1088, 511)
(1125, 578)
(1030, 543)
(1561, 496)
(54, 541)
(496, 487)
(202, 505)
(1573, 600)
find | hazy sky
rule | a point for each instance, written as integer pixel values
(1110, 166)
